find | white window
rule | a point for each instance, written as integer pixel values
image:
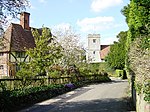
(20, 54)
(1, 67)
(94, 40)
(1, 54)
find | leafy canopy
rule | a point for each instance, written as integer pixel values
(117, 54)
(46, 53)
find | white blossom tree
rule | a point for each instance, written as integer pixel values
(73, 50)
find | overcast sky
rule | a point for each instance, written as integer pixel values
(84, 16)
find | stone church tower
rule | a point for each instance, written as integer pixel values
(93, 53)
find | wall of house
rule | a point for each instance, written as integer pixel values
(19, 57)
(4, 62)
(8, 63)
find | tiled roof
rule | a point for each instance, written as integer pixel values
(17, 39)
(104, 51)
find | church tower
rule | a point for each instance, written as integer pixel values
(93, 53)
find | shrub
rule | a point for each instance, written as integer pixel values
(17, 99)
(121, 73)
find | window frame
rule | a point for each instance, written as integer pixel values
(94, 52)
(94, 40)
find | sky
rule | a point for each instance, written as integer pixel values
(84, 16)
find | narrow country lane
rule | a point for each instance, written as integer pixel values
(104, 97)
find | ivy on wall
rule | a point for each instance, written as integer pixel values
(139, 63)
(138, 44)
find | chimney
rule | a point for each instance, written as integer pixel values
(24, 20)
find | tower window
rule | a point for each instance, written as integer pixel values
(93, 52)
(94, 40)
(1, 67)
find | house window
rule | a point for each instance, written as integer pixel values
(94, 40)
(20, 54)
(1, 67)
(17, 67)
(1, 54)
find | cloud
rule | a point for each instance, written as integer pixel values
(60, 27)
(64, 26)
(96, 24)
(108, 40)
(99, 5)
(42, 1)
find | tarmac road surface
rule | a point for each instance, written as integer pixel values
(104, 97)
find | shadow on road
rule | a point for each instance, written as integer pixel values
(106, 105)
(64, 104)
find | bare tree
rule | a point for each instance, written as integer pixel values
(10, 9)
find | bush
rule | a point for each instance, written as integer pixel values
(18, 99)
(24, 97)
(121, 73)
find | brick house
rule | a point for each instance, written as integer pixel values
(15, 40)
(104, 51)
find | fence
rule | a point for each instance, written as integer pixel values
(11, 84)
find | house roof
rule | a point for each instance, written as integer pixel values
(17, 39)
(104, 51)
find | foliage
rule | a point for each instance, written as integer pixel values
(54, 74)
(139, 63)
(138, 43)
(121, 74)
(19, 98)
(117, 54)
(95, 69)
(137, 16)
(46, 54)
(25, 71)
(146, 91)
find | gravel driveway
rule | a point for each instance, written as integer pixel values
(104, 97)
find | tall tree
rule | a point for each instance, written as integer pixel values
(117, 54)
(137, 14)
(46, 53)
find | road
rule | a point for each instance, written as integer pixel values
(104, 97)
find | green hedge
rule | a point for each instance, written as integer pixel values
(121, 73)
(18, 99)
